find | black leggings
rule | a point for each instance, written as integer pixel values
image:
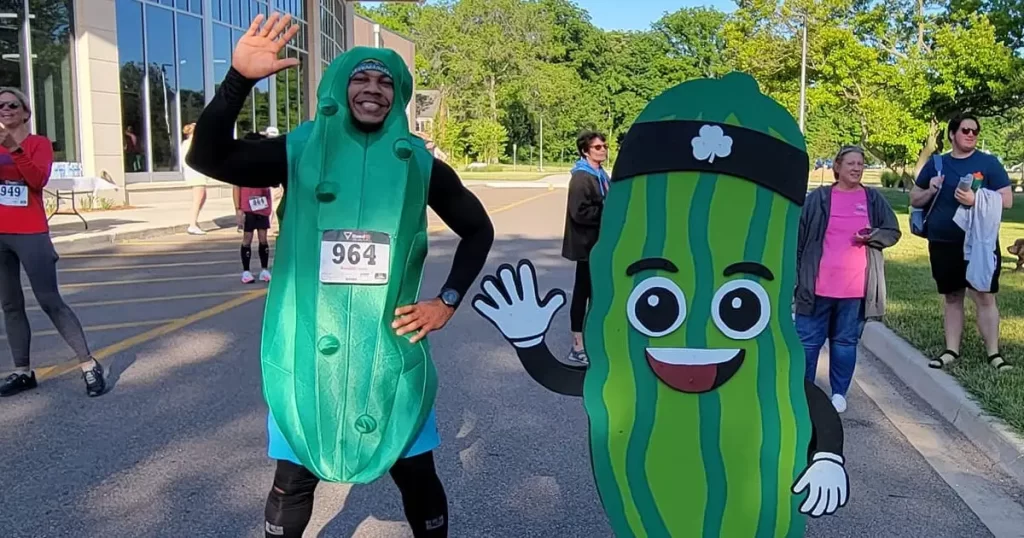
(580, 296)
(36, 253)
(290, 503)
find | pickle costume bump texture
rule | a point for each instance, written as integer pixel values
(698, 411)
(347, 394)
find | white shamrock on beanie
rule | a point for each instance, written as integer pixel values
(710, 143)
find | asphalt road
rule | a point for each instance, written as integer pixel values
(177, 447)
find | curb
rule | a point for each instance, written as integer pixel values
(524, 185)
(947, 397)
(102, 239)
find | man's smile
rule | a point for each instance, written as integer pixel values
(694, 370)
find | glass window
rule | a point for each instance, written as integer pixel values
(222, 48)
(192, 82)
(133, 104)
(163, 84)
(53, 106)
(196, 7)
(261, 105)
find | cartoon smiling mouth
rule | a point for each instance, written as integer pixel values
(694, 370)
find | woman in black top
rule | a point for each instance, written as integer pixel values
(587, 188)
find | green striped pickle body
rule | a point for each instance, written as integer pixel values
(707, 450)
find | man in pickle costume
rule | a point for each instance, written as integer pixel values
(701, 423)
(347, 372)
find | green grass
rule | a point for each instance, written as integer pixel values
(505, 176)
(914, 311)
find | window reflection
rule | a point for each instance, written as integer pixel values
(163, 114)
(53, 107)
(192, 83)
(130, 53)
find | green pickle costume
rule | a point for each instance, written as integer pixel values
(701, 422)
(347, 393)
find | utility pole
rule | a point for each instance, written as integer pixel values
(803, 77)
(542, 143)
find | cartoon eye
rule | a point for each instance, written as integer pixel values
(741, 309)
(656, 306)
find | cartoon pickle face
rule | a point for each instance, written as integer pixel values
(656, 308)
(700, 419)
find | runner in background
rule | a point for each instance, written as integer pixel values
(25, 163)
(253, 205)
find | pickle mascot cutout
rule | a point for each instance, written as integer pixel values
(701, 423)
(347, 396)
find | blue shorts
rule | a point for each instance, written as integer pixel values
(278, 448)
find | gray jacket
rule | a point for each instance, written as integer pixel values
(814, 221)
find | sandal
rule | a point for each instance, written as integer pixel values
(998, 363)
(942, 361)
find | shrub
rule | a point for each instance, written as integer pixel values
(890, 179)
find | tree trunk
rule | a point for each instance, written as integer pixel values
(494, 99)
(920, 26)
(930, 145)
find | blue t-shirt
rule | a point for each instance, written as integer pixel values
(941, 227)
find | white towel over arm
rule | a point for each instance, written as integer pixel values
(981, 226)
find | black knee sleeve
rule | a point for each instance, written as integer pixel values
(246, 256)
(264, 254)
(423, 496)
(290, 503)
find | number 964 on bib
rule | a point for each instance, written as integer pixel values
(355, 257)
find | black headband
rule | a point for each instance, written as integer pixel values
(705, 146)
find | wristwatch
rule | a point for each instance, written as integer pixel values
(450, 297)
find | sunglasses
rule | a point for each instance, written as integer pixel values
(968, 130)
(599, 146)
(13, 105)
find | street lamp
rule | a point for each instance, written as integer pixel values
(803, 76)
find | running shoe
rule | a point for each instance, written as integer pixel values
(196, 230)
(839, 402)
(94, 382)
(579, 357)
(17, 382)
(265, 276)
(247, 277)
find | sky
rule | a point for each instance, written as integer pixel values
(639, 14)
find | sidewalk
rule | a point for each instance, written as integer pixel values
(106, 227)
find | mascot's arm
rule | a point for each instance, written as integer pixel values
(216, 153)
(465, 215)
(828, 428)
(511, 303)
(825, 478)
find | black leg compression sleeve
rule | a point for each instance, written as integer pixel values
(246, 256)
(290, 503)
(580, 296)
(264, 255)
(423, 496)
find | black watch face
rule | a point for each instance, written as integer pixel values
(450, 297)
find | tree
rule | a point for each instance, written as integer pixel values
(486, 139)
(695, 36)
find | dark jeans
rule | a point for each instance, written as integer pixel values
(841, 321)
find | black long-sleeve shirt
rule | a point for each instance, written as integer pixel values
(264, 163)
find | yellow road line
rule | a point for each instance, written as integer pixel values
(108, 327)
(60, 369)
(173, 325)
(143, 243)
(141, 281)
(144, 266)
(143, 253)
(151, 299)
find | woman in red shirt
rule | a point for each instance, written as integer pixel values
(25, 161)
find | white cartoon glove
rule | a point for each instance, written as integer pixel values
(829, 485)
(513, 306)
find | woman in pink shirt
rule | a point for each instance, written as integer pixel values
(841, 278)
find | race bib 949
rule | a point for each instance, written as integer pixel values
(13, 194)
(355, 257)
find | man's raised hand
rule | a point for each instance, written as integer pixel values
(256, 54)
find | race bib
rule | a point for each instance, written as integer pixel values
(355, 257)
(257, 203)
(13, 194)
